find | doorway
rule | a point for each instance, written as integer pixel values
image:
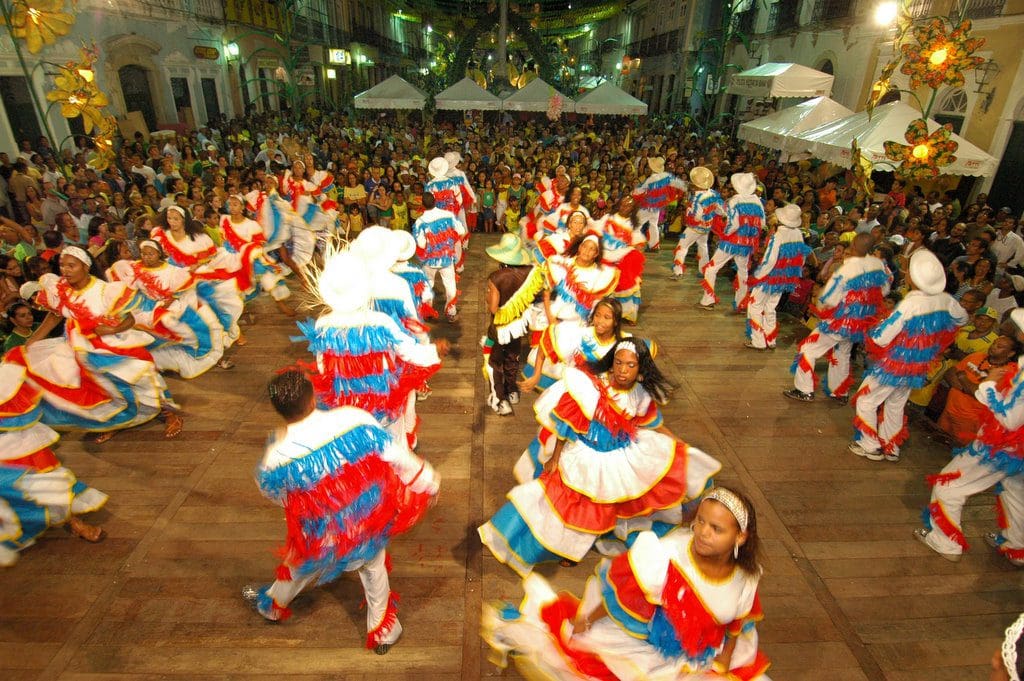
(21, 112)
(138, 95)
(1010, 176)
(209, 86)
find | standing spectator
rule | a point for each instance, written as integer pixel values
(1008, 246)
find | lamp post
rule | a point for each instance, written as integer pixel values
(983, 77)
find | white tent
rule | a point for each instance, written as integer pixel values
(467, 95)
(831, 141)
(535, 97)
(781, 80)
(609, 99)
(393, 93)
(777, 130)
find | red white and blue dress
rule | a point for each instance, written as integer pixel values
(244, 244)
(666, 620)
(36, 490)
(566, 344)
(576, 290)
(621, 247)
(706, 213)
(613, 475)
(188, 337)
(87, 381)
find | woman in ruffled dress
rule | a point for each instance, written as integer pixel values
(100, 377)
(613, 467)
(679, 607)
(576, 281)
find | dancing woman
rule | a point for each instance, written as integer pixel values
(684, 606)
(615, 466)
(100, 377)
(576, 281)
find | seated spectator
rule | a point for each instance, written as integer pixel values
(1006, 294)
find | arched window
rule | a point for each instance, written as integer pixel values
(952, 108)
(828, 67)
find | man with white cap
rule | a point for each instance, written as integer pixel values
(704, 213)
(744, 223)
(848, 306)
(780, 271)
(657, 191)
(903, 347)
(994, 458)
(438, 245)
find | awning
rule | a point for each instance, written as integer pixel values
(393, 93)
(781, 80)
(776, 130)
(535, 97)
(466, 95)
(608, 99)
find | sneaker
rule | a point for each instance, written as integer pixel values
(250, 594)
(798, 395)
(840, 399)
(513, 398)
(503, 408)
(859, 450)
(751, 346)
(676, 276)
(893, 456)
(921, 535)
(992, 539)
(707, 308)
(452, 318)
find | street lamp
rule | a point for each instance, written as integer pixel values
(983, 76)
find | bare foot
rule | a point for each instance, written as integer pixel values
(285, 310)
(83, 530)
(174, 425)
(241, 340)
(100, 438)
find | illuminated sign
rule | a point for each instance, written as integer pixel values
(339, 56)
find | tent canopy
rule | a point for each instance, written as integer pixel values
(393, 93)
(777, 130)
(534, 97)
(781, 80)
(609, 99)
(831, 141)
(467, 95)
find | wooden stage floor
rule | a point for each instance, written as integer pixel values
(848, 594)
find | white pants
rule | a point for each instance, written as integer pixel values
(816, 345)
(374, 576)
(761, 315)
(650, 218)
(688, 239)
(949, 496)
(451, 293)
(879, 420)
(718, 261)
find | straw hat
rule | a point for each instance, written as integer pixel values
(789, 215)
(657, 164)
(926, 272)
(376, 247)
(438, 167)
(344, 283)
(406, 244)
(509, 251)
(702, 178)
(745, 184)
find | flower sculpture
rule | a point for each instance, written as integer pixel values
(924, 153)
(938, 59)
(39, 23)
(103, 155)
(77, 94)
(862, 168)
(555, 104)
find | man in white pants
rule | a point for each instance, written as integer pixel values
(744, 224)
(922, 326)
(438, 238)
(653, 195)
(994, 458)
(779, 272)
(705, 213)
(849, 305)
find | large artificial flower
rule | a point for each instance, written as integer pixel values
(938, 59)
(555, 104)
(78, 95)
(862, 168)
(924, 153)
(39, 23)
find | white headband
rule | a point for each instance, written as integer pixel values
(732, 502)
(151, 244)
(177, 209)
(627, 345)
(591, 237)
(78, 254)
(1009, 649)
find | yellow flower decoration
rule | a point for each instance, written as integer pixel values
(939, 59)
(77, 94)
(924, 153)
(862, 168)
(40, 23)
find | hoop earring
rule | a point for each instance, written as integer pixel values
(640, 378)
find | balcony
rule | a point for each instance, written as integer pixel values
(830, 10)
(210, 11)
(978, 9)
(783, 16)
(744, 22)
(919, 9)
(366, 35)
(663, 43)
